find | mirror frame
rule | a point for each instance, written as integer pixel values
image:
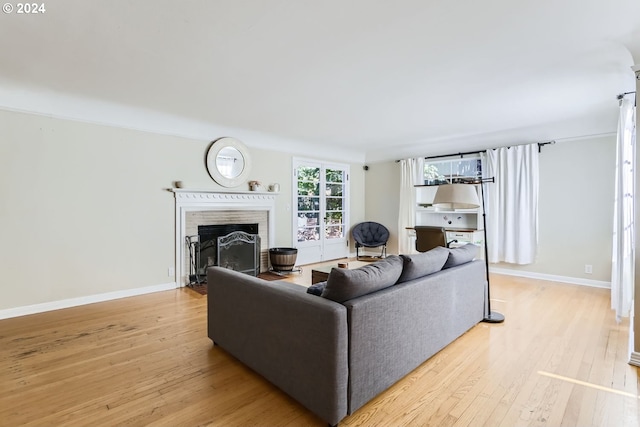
(212, 155)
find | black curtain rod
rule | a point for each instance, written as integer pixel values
(455, 154)
(540, 145)
(622, 95)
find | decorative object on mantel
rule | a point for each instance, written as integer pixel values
(228, 162)
(255, 186)
(275, 188)
(178, 184)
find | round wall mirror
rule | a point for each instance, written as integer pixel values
(228, 162)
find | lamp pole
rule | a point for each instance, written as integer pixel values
(492, 316)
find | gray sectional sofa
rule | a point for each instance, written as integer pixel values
(368, 328)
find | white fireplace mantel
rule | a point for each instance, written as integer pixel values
(187, 200)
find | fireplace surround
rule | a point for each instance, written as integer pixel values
(213, 203)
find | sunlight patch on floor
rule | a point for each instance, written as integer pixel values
(586, 384)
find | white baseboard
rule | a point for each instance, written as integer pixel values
(90, 299)
(551, 277)
(635, 359)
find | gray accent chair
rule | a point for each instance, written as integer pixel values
(370, 234)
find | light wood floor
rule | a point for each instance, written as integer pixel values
(558, 360)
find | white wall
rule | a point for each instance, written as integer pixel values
(84, 208)
(575, 211)
(382, 189)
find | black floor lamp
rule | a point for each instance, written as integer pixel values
(464, 196)
(492, 316)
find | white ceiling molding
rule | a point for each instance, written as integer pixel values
(47, 103)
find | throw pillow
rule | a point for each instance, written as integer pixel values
(461, 255)
(344, 284)
(316, 288)
(422, 264)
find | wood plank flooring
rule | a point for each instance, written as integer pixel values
(559, 359)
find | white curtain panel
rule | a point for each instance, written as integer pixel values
(410, 175)
(622, 271)
(512, 203)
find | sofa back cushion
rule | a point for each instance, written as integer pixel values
(422, 264)
(344, 284)
(461, 255)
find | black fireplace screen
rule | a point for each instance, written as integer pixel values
(240, 251)
(209, 240)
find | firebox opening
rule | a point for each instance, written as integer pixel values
(206, 250)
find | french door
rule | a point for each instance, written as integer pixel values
(321, 211)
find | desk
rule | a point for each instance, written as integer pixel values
(465, 236)
(462, 235)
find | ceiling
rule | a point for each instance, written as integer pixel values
(371, 79)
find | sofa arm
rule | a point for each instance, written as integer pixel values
(295, 340)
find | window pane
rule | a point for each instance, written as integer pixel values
(306, 188)
(333, 175)
(308, 203)
(306, 173)
(334, 203)
(333, 218)
(334, 190)
(467, 168)
(333, 232)
(310, 219)
(437, 172)
(455, 170)
(308, 233)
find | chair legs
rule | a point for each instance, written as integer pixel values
(383, 253)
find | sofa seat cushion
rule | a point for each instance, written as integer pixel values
(343, 284)
(461, 255)
(423, 264)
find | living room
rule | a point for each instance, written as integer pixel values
(88, 216)
(104, 218)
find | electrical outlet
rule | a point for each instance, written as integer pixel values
(171, 272)
(588, 268)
